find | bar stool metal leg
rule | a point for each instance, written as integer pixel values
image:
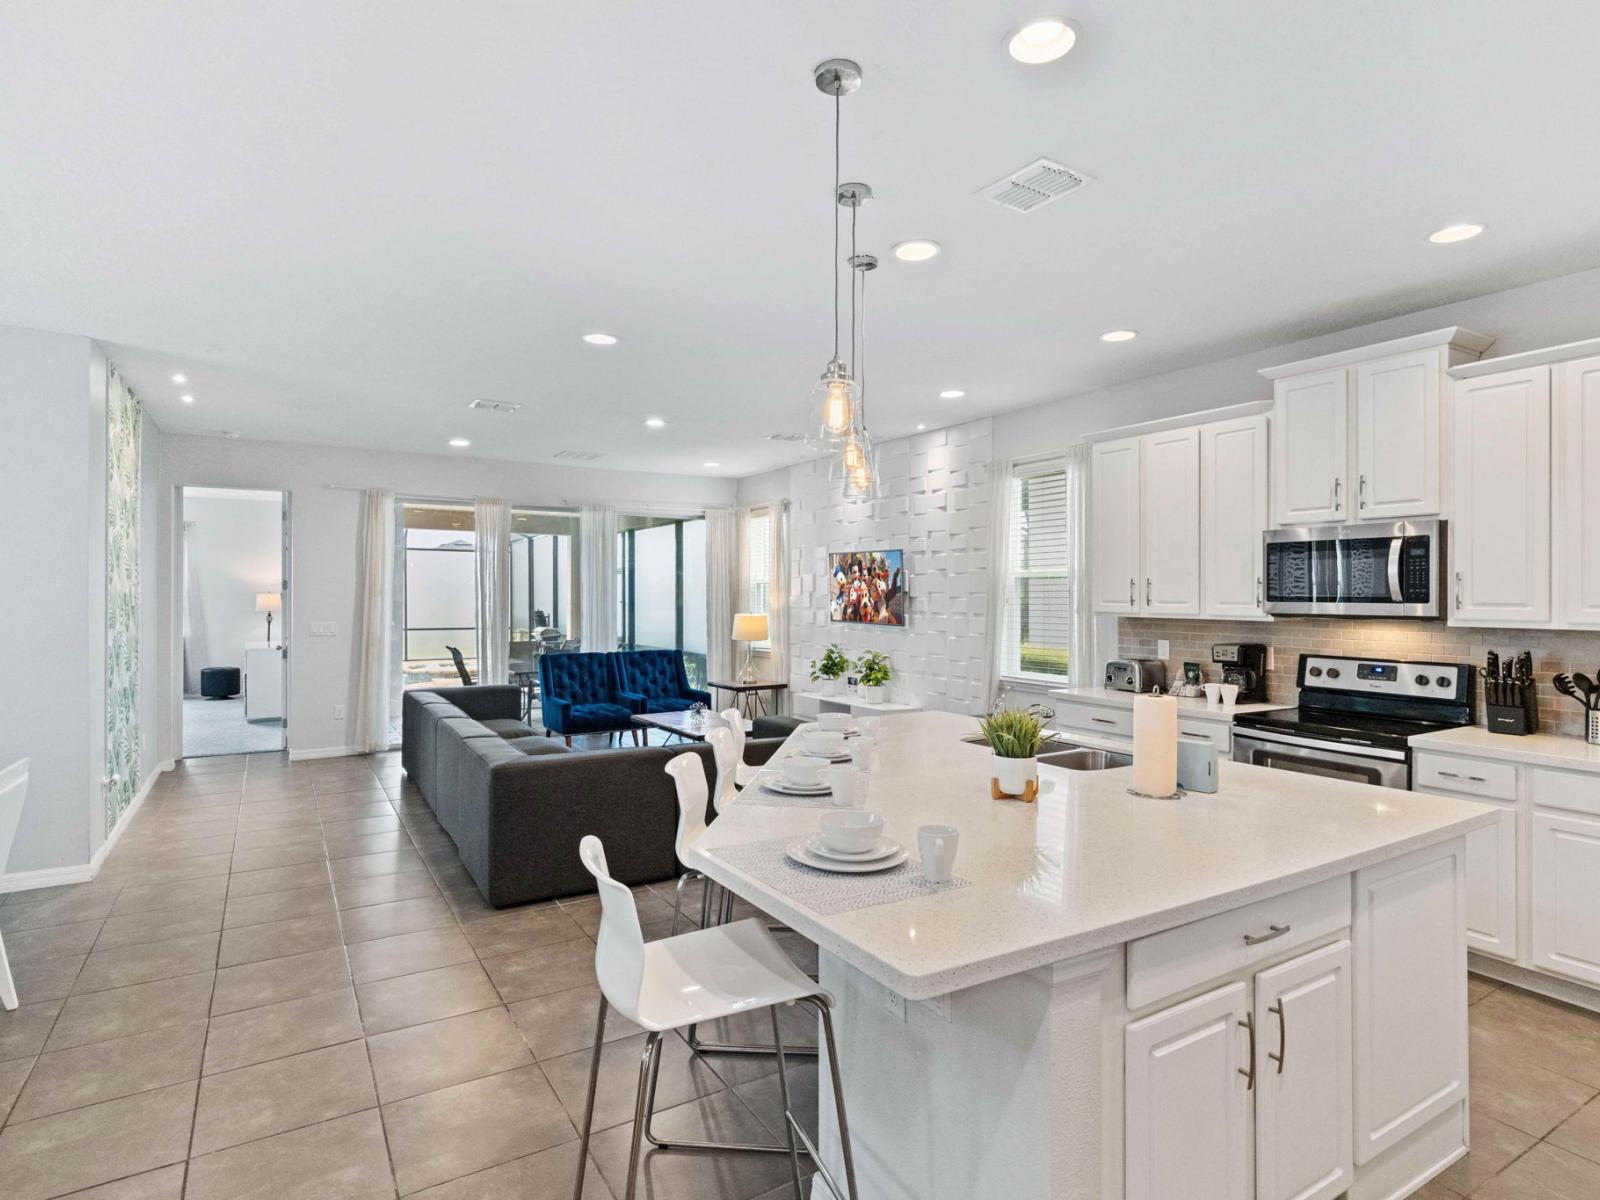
(649, 1064)
(783, 1094)
(588, 1107)
(677, 902)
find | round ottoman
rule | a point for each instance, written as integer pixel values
(219, 683)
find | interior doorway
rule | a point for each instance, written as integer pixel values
(234, 632)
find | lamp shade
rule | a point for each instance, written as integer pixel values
(269, 602)
(750, 627)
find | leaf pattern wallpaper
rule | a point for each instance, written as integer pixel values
(122, 598)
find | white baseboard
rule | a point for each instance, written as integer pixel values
(27, 881)
(1566, 990)
(325, 752)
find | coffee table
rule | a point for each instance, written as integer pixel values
(681, 725)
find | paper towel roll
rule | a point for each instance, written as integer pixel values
(1155, 745)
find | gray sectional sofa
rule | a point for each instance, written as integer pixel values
(517, 804)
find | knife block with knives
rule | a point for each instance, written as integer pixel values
(1510, 699)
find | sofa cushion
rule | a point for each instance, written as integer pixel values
(774, 726)
(658, 704)
(508, 728)
(650, 673)
(540, 745)
(600, 718)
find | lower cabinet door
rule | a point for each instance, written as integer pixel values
(1566, 894)
(1492, 885)
(1302, 1020)
(1187, 1126)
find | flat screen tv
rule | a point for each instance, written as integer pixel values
(867, 587)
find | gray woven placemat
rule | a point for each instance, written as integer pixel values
(828, 892)
(758, 795)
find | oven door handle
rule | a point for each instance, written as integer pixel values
(1358, 749)
(1395, 546)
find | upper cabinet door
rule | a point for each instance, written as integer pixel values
(1397, 436)
(1310, 420)
(1500, 529)
(1169, 492)
(1579, 498)
(1115, 514)
(1233, 517)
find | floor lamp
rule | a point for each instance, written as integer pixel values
(269, 603)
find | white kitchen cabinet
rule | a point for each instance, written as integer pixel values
(1492, 884)
(1187, 1099)
(1303, 1077)
(1566, 894)
(1500, 524)
(1234, 491)
(1115, 513)
(1578, 499)
(1408, 981)
(1169, 508)
(1310, 421)
(1397, 436)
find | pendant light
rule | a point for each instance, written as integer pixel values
(858, 458)
(834, 398)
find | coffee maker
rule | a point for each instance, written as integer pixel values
(1243, 663)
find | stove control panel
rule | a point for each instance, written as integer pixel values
(1387, 677)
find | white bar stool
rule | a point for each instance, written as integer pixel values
(13, 787)
(744, 773)
(671, 984)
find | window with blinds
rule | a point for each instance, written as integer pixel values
(1039, 598)
(757, 565)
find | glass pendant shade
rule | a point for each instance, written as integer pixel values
(833, 405)
(859, 467)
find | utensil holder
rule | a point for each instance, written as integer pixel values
(1592, 732)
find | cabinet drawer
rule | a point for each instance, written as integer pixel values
(1096, 718)
(1216, 732)
(1578, 791)
(1465, 776)
(1174, 960)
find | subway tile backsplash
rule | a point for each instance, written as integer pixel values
(1417, 641)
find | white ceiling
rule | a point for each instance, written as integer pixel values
(345, 220)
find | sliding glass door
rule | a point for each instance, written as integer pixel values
(544, 585)
(439, 595)
(661, 588)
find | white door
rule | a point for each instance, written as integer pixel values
(1187, 1098)
(1578, 499)
(1492, 884)
(1500, 531)
(1397, 436)
(1233, 516)
(1302, 1016)
(1409, 984)
(1566, 894)
(1169, 507)
(1310, 420)
(1115, 514)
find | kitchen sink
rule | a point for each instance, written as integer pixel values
(1082, 758)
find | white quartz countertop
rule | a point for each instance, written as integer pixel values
(1086, 867)
(1541, 749)
(1188, 706)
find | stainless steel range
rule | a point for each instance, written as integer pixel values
(1356, 717)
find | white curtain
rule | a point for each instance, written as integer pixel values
(597, 571)
(722, 590)
(194, 620)
(492, 521)
(1082, 655)
(372, 731)
(778, 603)
(1001, 501)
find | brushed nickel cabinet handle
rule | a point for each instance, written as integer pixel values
(1258, 591)
(1249, 1027)
(1337, 484)
(1147, 591)
(1283, 1034)
(1458, 591)
(1361, 494)
(1133, 594)
(1255, 939)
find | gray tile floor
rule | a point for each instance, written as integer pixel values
(284, 986)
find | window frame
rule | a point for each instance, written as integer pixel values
(1010, 625)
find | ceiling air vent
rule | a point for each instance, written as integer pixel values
(1035, 185)
(500, 406)
(786, 437)
(577, 455)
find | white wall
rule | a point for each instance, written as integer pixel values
(326, 535)
(234, 553)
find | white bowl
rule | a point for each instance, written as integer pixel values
(833, 722)
(851, 830)
(825, 742)
(802, 772)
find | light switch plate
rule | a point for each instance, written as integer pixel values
(324, 629)
(338, 712)
(1163, 649)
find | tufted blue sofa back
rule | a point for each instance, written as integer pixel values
(651, 673)
(577, 678)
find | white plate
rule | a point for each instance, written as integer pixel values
(843, 758)
(779, 788)
(801, 854)
(883, 849)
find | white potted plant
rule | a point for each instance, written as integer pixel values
(874, 675)
(829, 669)
(1014, 735)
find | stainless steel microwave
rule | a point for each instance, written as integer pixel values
(1373, 570)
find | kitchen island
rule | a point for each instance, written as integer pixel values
(1094, 1012)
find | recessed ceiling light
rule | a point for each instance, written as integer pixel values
(180, 379)
(654, 423)
(1041, 41)
(1119, 335)
(460, 443)
(920, 427)
(951, 394)
(916, 250)
(600, 339)
(1455, 233)
(711, 464)
(186, 398)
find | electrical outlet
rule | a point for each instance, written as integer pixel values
(1163, 649)
(338, 712)
(895, 1003)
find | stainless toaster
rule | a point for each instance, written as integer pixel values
(1136, 674)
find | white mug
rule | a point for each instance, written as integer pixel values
(1230, 694)
(802, 772)
(937, 846)
(824, 742)
(833, 722)
(867, 726)
(1214, 693)
(861, 751)
(848, 784)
